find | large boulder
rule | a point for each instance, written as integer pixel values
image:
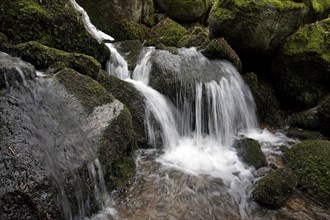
(302, 66)
(197, 37)
(52, 23)
(273, 189)
(123, 20)
(309, 160)
(249, 151)
(256, 26)
(166, 33)
(184, 10)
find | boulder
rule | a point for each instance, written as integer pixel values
(184, 10)
(123, 20)
(220, 49)
(249, 151)
(52, 23)
(309, 160)
(197, 37)
(255, 26)
(275, 188)
(166, 33)
(268, 107)
(302, 66)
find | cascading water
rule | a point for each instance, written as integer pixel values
(197, 175)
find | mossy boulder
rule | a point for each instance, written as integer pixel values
(309, 160)
(184, 10)
(318, 9)
(52, 23)
(127, 94)
(273, 189)
(302, 66)
(166, 33)
(123, 20)
(268, 107)
(42, 57)
(249, 151)
(196, 37)
(255, 26)
(220, 49)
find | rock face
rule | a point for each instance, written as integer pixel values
(249, 151)
(302, 67)
(309, 160)
(123, 20)
(52, 133)
(257, 26)
(184, 10)
(275, 188)
(52, 23)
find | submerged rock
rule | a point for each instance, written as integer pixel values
(52, 23)
(302, 66)
(249, 151)
(184, 10)
(309, 160)
(275, 188)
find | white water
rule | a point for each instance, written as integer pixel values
(203, 147)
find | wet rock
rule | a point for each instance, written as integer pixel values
(123, 20)
(184, 10)
(52, 23)
(302, 66)
(131, 51)
(249, 151)
(275, 188)
(309, 160)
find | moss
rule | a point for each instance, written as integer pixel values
(275, 188)
(127, 94)
(197, 38)
(42, 57)
(184, 10)
(310, 162)
(167, 33)
(116, 152)
(89, 92)
(249, 151)
(52, 23)
(268, 107)
(220, 49)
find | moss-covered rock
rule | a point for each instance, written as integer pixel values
(89, 92)
(184, 10)
(318, 9)
(302, 67)
(127, 94)
(307, 119)
(249, 151)
(42, 57)
(309, 160)
(197, 37)
(52, 23)
(268, 107)
(220, 49)
(166, 33)
(256, 26)
(273, 189)
(123, 20)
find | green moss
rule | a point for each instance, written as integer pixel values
(42, 57)
(197, 38)
(89, 92)
(249, 151)
(116, 152)
(167, 33)
(52, 23)
(275, 188)
(310, 162)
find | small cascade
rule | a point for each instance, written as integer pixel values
(142, 70)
